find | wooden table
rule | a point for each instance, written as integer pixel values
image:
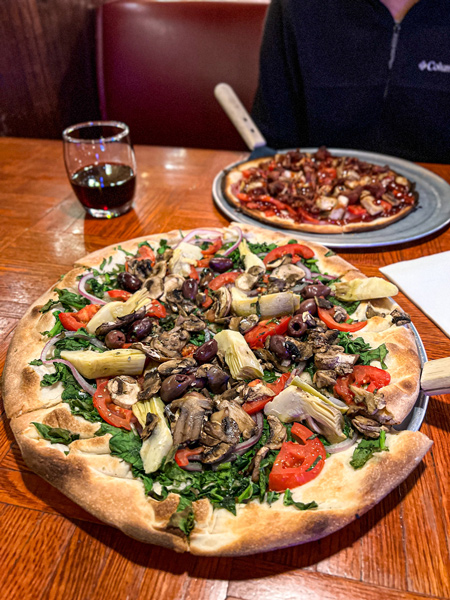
(51, 548)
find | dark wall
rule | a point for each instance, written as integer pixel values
(47, 66)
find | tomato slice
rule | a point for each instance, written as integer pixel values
(145, 252)
(278, 386)
(224, 279)
(119, 295)
(292, 249)
(203, 263)
(256, 337)
(213, 248)
(280, 205)
(188, 350)
(182, 455)
(326, 315)
(296, 464)
(110, 412)
(208, 300)
(356, 209)
(72, 321)
(361, 375)
(193, 273)
(301, 433)
(156, 309)
(306, 216)
(242, 197)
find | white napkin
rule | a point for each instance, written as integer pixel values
(426, 281)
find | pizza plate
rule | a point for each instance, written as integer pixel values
(431, 214)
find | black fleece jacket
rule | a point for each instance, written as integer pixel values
(342, 73)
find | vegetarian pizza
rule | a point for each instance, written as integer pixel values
(319, 193)
(185, 386)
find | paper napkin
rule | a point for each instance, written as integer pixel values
(426, 281)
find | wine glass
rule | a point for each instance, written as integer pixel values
(101, 166)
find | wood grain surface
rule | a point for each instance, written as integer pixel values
(51, 548)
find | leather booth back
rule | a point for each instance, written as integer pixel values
(158, 63)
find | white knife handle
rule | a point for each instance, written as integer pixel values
(238, 115)
(436, 377)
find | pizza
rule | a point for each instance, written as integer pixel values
(319, 193)
(222, 391)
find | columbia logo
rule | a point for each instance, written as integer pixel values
(432, 65)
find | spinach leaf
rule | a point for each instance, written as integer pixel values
(269, 376)
(57, 327)
(198, 338)
(183, 518)
(56, 435)
(377, 354)
(69, 301)
(289, 501)
(350, 307)
(71, 343)
(163, 246)
(127, 446)
(358, 346)
(366, 449)
(124, 251)
(261, 248)
(330, 253)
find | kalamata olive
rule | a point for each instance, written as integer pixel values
(140, 329)
(220, 264)
(296, 327)
(129, 282)
(206, 352)
(216, 379)
(307, 306)
(189, 289)
(174, 386)
(278, 348)
(115, 339)
(317, 289)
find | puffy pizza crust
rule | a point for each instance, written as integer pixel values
(234, 174)
(103, 484)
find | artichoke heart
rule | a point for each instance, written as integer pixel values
(250, 259)
(113, 310)
(93, 365)
(369, 288)
(294, 404)
(156, 447)
(241, 361)
(184, 256)
(271, 305)
(309, 388)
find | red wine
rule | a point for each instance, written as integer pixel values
(104, 186)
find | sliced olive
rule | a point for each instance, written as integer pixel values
(206, 352)
(317, 289)
(129, 282)
(277, 346)
(140, 329)
(307, 306)
(190, 289)
(115, 339)
(174, 386)
(220, 264)
(296, 327)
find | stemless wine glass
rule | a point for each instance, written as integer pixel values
(101, 166)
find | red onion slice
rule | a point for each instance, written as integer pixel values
(338, 403)
(87, 387)
(82, 289)
(297, 371)
(194, 466)
(335, 448)
(236, 244)
(69, 334)
(312, 425)
(244, 446)
(195, 232)
(327, 277)
(308, 274)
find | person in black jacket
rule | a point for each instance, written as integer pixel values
(357, 74)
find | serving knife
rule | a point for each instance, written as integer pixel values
(243, 122)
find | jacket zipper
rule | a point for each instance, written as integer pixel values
(394, 42)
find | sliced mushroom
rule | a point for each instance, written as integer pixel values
(191, 323)
(335, 359)
(246, 424)
(150, 386)
(140, 268)
(388, 197)
(246, 281)
(223, 303)
(284, 260)
(173, 367)
(369, 203)
(215, 431)
(372, 401)
(155, 287)
(160, 269)
(399, 317)
(368, 427)
(124, 390)
(256, 392)
(257, 463)
(234, 323)
(324, 378)
(247, 323)
(171, 283)
(216, 453)
(291, 274)
(192, 409)
(170, 343)
(151, 422)
(277, 433)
